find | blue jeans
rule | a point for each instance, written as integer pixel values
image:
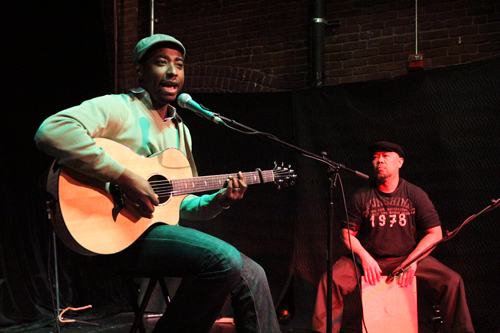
(211, 270)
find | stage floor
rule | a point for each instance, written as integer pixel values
(121, 323)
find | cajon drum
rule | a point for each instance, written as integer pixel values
(389, 308)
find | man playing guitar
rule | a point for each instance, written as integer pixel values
(147, 124)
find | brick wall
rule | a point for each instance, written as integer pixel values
(254, 46)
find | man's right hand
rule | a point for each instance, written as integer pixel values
(371, 269)
(139, 192)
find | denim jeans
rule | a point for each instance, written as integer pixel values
(211, 270)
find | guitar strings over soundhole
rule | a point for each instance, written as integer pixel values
(162, 187)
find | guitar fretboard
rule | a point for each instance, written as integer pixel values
(208, 183)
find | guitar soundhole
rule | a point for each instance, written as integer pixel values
(162, 187)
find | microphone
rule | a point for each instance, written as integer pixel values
(389, 279)
(185, 101)
(394, 273)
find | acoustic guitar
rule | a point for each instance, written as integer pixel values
(93, 217)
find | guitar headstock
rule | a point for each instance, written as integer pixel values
(284, 176)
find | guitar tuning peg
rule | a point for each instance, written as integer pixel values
(284, 176)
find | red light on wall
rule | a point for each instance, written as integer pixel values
(415, 62)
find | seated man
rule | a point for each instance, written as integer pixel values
(383, 220)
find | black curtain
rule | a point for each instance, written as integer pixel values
(54, 57)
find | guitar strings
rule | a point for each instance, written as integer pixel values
(167, 187)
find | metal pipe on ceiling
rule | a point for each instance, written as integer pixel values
(115, 42)
(152, 9)
(318, 43)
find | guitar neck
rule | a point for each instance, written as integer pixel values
(210, 183)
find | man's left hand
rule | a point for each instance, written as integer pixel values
(407, 276)
(236, 187)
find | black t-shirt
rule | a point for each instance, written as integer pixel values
(387, 223)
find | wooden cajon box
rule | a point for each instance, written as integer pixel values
(389, 308)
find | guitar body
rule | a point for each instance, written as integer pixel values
(86, 215)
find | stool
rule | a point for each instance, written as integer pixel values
(139, 309)
(388, 307)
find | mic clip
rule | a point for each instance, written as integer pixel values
(215, 117)
(395, 273)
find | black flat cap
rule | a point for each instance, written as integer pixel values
(385, 146)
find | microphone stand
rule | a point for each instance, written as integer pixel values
(334, 169)
(449, 235)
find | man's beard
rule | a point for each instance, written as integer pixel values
(381, 175)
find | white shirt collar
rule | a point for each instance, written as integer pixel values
(146, 99)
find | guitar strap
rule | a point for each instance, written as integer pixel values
(185, 145)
